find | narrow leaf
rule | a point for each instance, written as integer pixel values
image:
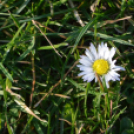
(55, 46)
(3, 69)
(108, 37)
(82, 88)
(83, 31)
(27, 109)
(28, 50)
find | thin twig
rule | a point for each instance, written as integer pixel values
(47, 94)
(33, 82)
(55, 85)
(58, 95)
(27, 62)
(76, 14)
(24, 62)
(51, 30)
(114, 21)
(46, 38)
(82, 125)
(69, 123)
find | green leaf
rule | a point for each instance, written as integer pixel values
(22, 6)
(10, 130)
(28, 50)
(27, 109)
(82, 32)
(8, 83)
(3, 69)
(3, 3)
(96, 104)
(82, 88)
(15, 21)
(86, 96)
(55, 46)
(30, 118)
(126, 123)
(37, 126)
(11, 43)
(40, 17)
(128, 131)
(108, 37)
(115, 117)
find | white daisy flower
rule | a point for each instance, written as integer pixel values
(99, 61)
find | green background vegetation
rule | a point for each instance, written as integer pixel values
(40, 44)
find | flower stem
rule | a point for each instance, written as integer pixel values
(98, 78)
(106, 111)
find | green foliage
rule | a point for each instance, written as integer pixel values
(126, 126)
(31, 68)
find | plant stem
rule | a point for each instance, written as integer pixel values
(98, 78)
(33, 83)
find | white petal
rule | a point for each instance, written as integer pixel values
(85, 62)
(85, 57)
(109, 77)
(112, 52)
(107, 84)
(107, 80)
(88, 77)
(89, 54)
(105, 44)
(91, 78)
(86, 72)
(106, 54)
(102, 44)
(119, 68)
(114, 76)
(114, 73)
(93, 51)
(82, 73)
(101, 50)
(84, 68)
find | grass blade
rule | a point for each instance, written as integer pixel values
(82, 32)
(55, 46)
(28, 50)
(82, 88)
(3, 69)
(108, 37)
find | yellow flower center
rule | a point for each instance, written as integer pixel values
(101, 66)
